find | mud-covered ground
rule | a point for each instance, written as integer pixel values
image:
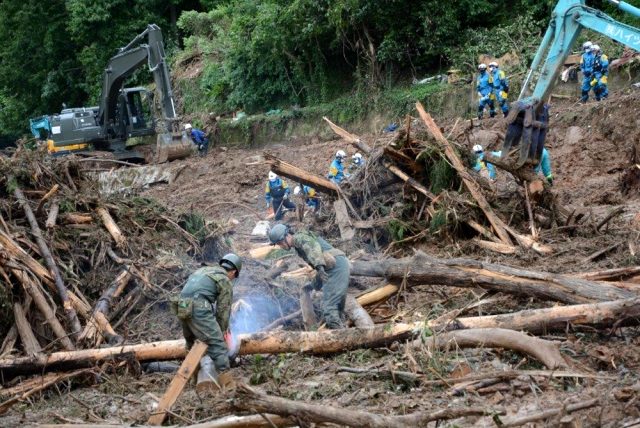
(591, 146)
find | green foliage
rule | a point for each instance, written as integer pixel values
(194, 223)
(398, 229)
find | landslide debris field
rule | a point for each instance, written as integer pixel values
(430, 243)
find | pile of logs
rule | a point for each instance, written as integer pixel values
(65, 282)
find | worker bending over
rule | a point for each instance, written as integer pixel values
(310, 196)
(331, 265)
(204, 307)
(485, 168)
(198, 137)
(276, 193)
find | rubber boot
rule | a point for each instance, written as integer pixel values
(492, 113)
(480, 113)
(585, 97)
(208, 380)
(227, 382)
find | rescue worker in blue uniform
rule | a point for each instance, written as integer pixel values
(587, 63)
(310, 196)
(485, 92)
(600, 74)
(276, 193)
(482, 166)
(500, 86)
(198, 137)
(357, 162)
(545, 167)
(336, 169)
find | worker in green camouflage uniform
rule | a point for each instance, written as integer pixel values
(331, 265)
(204, 307)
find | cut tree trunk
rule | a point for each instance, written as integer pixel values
(70, 312)
(29, 342)
(249, 399)
(186, 370)
(53, 214)
(43, 306)
(112, 227)
(306, 307)
(357, 313)
(619, 312)
(347, 232)
(543, 350)
(424, 269)
(299, 175)
(103, 305)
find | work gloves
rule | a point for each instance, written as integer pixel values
(322, 274)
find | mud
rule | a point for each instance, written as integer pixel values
(591, 145)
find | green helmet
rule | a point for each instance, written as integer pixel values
(232, 261)
(277, 233)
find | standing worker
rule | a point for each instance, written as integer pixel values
(600, 74)
(204, 307)
(199, 138)
(587, 62)
(331, 265)
(336, 169)
(500, 86)
(485, 92)
(276, 193)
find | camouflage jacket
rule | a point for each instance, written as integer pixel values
(212, 284)
(310, 247)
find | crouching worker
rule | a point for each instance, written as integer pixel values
(204, 307)
(331, 265)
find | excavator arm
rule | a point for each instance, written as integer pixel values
(529, 116)
(128, 60)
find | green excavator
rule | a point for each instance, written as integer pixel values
(124, 113)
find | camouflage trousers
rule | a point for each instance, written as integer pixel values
(334, 293)
(204, 327)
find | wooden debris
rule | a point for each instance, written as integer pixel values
(301, 176)
(186, 370)
(470, 183)
(356, 313)
(111, 226)
(347, 232)
(543, 350)
(53, 214)
(70, 312)
(261, 252)
(545, 414)
(250, 399)
(28, 339)
(423, 269)
(306, 306)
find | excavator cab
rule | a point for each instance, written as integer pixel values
(528, 119)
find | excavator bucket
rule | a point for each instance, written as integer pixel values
(171, 146)
(528, 128)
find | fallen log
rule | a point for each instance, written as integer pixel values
(424, 269)
(53, 214)
(306, 307)
(45, 198)
(301, 176)
(543, 350)
(29, 342)
(69, 311)
(545, 414)
(254, 421)
(112, 227)
(347, 232)
(250, 399)
(610, 274)
(75, 218)
(102, 306)
(357, 314)
(353, 139)
(533, 321)
(261, 252)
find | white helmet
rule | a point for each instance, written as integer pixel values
(341, 154)
(187, 126)
(478, 148)
(272, 175)
(587, 46)
(493, 64)
(595, 48)
(357, 158)
(297, 190)
(482, 66)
